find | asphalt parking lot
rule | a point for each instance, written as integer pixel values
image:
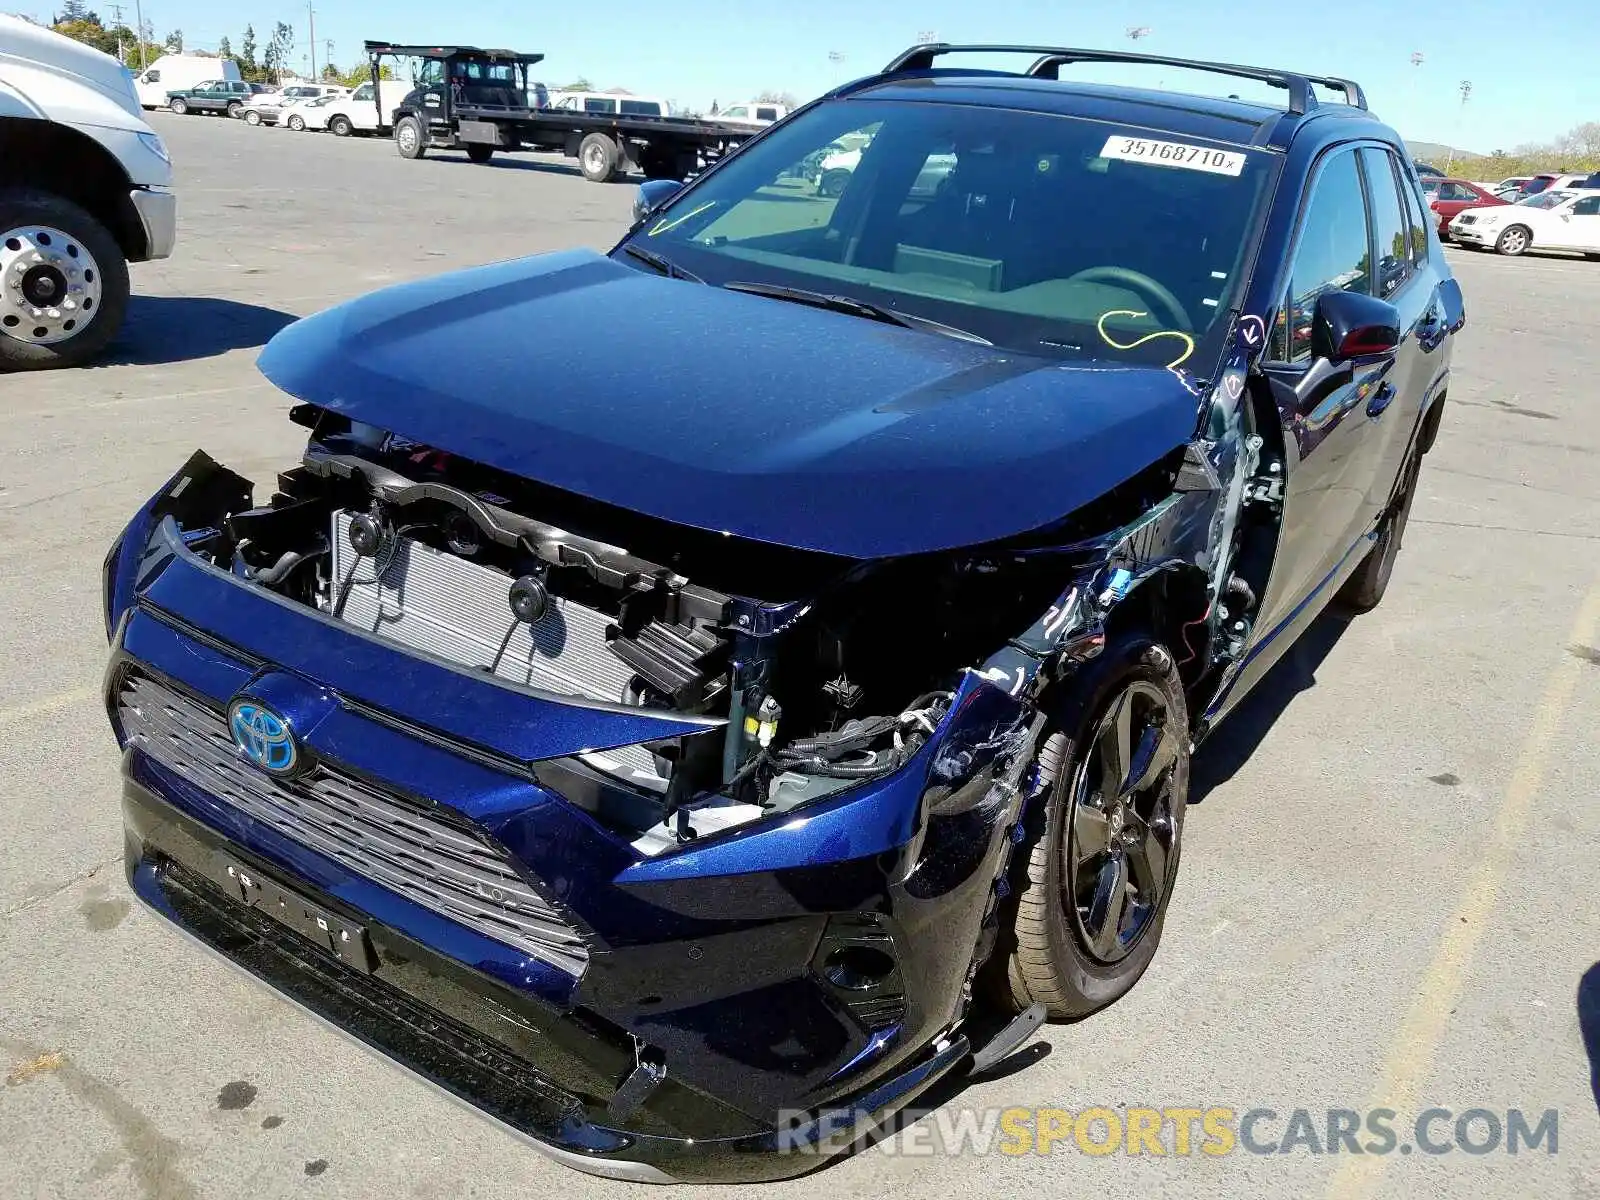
(1390, 879)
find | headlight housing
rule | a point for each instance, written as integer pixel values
(153, 143)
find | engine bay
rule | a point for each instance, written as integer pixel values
(811, 672)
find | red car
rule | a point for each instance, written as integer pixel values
(1452, 196)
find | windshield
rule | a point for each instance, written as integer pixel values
(1051, 234)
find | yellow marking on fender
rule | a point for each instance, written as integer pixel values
(50, 704)
(1188, 342)
(1412, 1052)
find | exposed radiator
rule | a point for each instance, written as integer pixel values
(434, 601)
(431, 600)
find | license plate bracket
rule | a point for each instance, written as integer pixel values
(345, 940)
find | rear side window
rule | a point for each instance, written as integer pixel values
(1392, 262)
(1417, 218)
(1331, 254)
(766, 114)
(641, 108)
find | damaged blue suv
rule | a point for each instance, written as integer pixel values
(679, 689)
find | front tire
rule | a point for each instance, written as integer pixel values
(479, 153)
(1093, 879)
(297, 123)
(68, 300)
(1514, 241)
(408, 139)
(252, 117)
(833, 183)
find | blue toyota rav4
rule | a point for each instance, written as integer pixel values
(678, 686)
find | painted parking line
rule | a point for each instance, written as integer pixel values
(1416, 1043)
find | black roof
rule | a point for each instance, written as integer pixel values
(374, 48)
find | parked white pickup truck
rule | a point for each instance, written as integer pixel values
(85, 189)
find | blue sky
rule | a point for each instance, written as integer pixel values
(1525, 60)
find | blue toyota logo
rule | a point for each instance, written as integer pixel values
(263, 737)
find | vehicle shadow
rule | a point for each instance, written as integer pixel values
(1222, 753)
(522, 162)
(1589, 1025)
(170, 329)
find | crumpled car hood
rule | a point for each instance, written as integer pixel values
(732, 412)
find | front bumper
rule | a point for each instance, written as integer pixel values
(709, 961)
(158, 213)
(464, 1032)
(1476, 234)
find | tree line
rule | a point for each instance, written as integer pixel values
(257, 63)
(1576, 150)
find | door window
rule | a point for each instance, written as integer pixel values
(1332, 254)
(152, 76)
(1393, 261)
(1417, 218)
(1589, 206)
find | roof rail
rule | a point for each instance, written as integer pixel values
(1050, 59)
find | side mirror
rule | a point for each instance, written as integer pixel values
(1349, 325)
(652, 195)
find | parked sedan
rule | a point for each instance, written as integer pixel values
(308, 114)
(1454, 196)
(270, 110)
(1561, 219)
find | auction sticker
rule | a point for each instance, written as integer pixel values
(1174, 154)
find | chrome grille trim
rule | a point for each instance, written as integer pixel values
(395, 844)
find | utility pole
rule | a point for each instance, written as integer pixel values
(311, 16)
(138, 16)
(836, 57)
(927, 37)
(1465, 88)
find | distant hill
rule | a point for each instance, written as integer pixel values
(1435, 153)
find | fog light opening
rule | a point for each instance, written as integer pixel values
(856, 968)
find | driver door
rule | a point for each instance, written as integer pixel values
(1327, 426)
(1583, 223)
(433, 88)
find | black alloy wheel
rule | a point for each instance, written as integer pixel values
(1093, 876)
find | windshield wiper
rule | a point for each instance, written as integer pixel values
(665, 265)
(856, 308)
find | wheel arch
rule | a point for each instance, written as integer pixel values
(56, 158)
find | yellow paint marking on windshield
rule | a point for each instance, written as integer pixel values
(1188, 342)
(676, 221)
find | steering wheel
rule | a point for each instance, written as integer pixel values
(1157, 296)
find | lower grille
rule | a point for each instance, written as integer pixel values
(397, 845)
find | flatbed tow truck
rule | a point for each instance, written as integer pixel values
(468, 98)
